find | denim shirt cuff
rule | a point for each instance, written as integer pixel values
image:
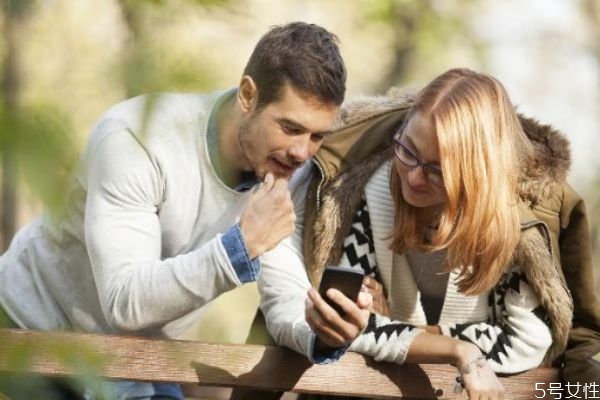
(325, 357)
(246, 269)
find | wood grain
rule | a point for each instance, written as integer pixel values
(234, 365)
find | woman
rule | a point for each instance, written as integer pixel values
(442, 224)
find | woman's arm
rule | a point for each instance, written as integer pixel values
(474, 372)
(393, 341)
(514, 340)
(519, 336)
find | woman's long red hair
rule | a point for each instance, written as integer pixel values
(481, 141)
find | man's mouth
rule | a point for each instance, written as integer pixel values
(282, 168)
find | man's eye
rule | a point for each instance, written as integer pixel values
(291, 130)
(317, 137)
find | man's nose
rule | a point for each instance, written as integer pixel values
(303, 148)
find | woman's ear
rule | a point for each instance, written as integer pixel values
(247, 94)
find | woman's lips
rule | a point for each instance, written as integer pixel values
(417, 190)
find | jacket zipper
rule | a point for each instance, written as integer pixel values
(319, 186)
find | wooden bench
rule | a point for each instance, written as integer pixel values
(244, 366)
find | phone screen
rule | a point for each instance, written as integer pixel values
(345, 279)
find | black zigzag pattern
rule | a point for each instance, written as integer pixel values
(386, 329)
(513, 282)
(486, 332)
(510, 282)
(541, 313)
(359, 248)
(502, 342)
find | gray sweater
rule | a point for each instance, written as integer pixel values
(139, 248)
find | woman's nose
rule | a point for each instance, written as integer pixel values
(416, 176)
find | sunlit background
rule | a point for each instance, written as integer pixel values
(66, 61)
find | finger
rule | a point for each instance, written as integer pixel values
(340, 299)
(326, 312)
(321, 326)
(329, 337)
(311, 314)
(354, 319)
(351, 324)
(268, 182)
(325, 332)
(318, 302)
(369, 282)
(373, 286)
(280, 195)
(365, 300)
(474, 394)
(308, 303)
(280, 185)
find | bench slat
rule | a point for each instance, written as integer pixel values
(235, 365)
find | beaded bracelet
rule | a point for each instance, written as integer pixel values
(479, 362)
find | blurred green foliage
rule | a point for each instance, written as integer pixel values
(146, 70)
(16, 7)
(76, 356)
(40, 139)
(424, 32)
(150, 65)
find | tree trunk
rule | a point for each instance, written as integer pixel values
(403, 24)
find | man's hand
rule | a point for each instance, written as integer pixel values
(330, 327)
(268, 217)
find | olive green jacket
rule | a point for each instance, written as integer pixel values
(553, 221)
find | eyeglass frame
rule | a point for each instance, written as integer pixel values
(428, 167)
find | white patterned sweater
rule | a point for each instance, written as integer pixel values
(507, 324)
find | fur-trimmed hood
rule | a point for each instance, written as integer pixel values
(362, 141)
(541, 174)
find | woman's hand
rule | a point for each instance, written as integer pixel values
(331, 328)
(477, 376)
(380, 303)
(433, 329)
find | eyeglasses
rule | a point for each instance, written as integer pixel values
(432, 173)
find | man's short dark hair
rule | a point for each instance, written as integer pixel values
(304, 55)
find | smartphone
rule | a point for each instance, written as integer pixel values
(345, 279)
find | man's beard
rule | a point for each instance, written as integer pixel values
(244, 133)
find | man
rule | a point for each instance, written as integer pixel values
(164, 215)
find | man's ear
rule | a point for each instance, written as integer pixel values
(247, 94)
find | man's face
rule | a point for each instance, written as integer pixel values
(282, 135)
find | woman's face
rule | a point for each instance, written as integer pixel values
(420, 139)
